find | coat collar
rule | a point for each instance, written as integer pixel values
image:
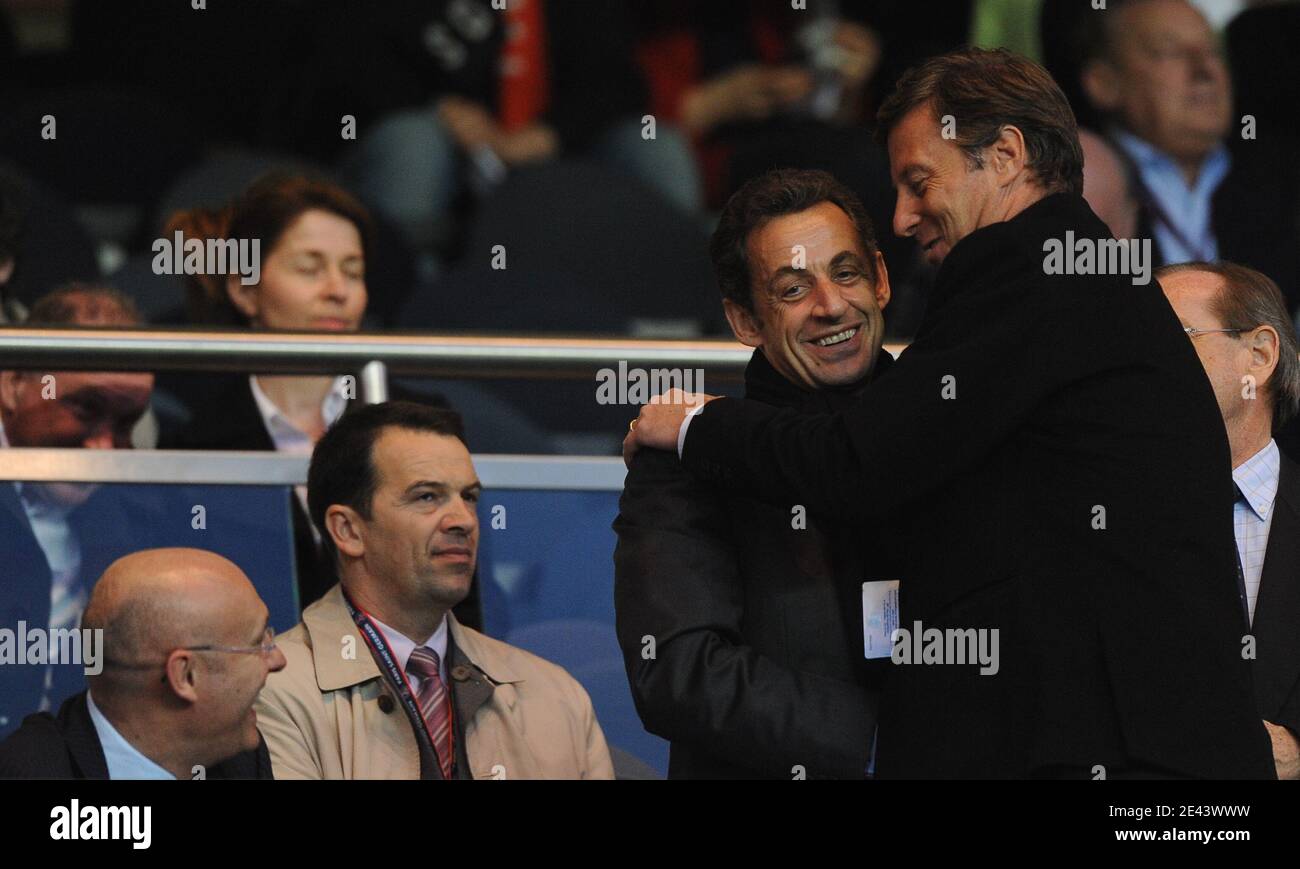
(1001, 250)
(1278, 654)
(764, 383)
(11, 502)
(82, 739)
(327, 624)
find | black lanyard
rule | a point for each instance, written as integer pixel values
(396, 676)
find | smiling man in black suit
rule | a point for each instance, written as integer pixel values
(758, 668)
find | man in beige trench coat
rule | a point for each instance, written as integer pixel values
(381, 681)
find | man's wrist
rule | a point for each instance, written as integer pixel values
(681, 432)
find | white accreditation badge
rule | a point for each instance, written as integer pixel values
(879, 617)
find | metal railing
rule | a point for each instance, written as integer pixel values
(433, 355)
(371, 355)
(233, 468)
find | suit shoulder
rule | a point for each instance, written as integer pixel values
(299, 670)
(36, 749)
(227, 422)
(1288, 481)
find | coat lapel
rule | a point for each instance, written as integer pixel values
(82, 739)
(1277, 611)
(11, 504)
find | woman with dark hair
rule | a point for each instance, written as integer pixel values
(313, 239)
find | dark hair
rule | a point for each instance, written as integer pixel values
(776, 194)
(986, 90)
(342, 469)
(79, 304)
(264, 211)
(1249, 299)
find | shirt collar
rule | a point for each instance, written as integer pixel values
(764, 383)
(1147, 158)
(35, 506)
(402, 646)
(331, 407)
(1257, 479)
(124, 761)
(327, 622)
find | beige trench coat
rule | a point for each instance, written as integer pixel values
(323, 718)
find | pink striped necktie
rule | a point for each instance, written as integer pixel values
(434, 706)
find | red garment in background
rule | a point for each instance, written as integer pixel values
(525, 88)
(670, 58)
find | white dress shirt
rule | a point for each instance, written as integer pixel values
(402, 646)
(1252, 518)
(686, 424)
(124, 761)
(288, 438)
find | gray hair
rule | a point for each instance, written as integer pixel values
(1250, 299)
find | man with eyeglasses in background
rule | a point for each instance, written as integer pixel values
(1238, 322)
(185, 650)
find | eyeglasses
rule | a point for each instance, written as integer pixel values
(1196, 333)
(266, 647)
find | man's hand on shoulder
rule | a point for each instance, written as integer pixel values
(1286, 750)
(660, 421)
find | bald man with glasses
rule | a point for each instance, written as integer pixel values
(185, 649)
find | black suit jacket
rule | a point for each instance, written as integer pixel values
(104, 533)
(1277, 609)
(1059, 458)
(68, 747)
(758, 664)
(232, 421)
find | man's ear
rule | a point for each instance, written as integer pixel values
(1101, 84)
(881, 288)
(1008, 153)
(744, 324)
(345, 527)
(178, 673)
(244, 298)
(1264, 349)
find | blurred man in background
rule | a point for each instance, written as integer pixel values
(1155, 71)
(59, 536)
